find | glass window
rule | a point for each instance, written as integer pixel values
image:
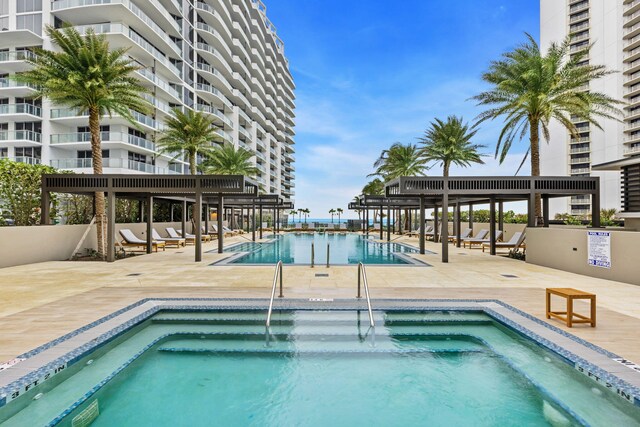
(4, 152)
(29, 6)
(4, 7)
(33, 152)
(86, 154)
(31, 22)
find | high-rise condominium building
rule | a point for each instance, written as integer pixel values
(613, 27)
(222, 57)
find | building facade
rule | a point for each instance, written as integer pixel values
(613, 27)
(222, 57)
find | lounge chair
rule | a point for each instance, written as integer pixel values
(177, 241)
(131, 240)
(416, 232)
(204, 237)
(265, 227)
(464, 235)
(213, 234)
(311, 226)
(226, 232)
(481, 235)
(343, 227)
(516, 241)
(375, 227)
(189, 238)
(297, 227)
(472, 242)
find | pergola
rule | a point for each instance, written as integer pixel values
(198, 189)
(442, 192)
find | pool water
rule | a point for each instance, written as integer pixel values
(327, 367)
(344, 248)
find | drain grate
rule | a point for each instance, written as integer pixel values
(135, 274)
(322, 274)
(509, 276)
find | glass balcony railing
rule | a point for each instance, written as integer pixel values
(21, 135)
(79, 137)
(16, 55)
(10, 83)
(62, 113)
(28, 160)
(107, 163)
(20, 109)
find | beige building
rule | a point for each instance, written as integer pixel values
(613, 27)
(219, 56)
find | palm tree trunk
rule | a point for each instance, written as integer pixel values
(535, 163)
(445, 170)
(192, 163)
(96, 158)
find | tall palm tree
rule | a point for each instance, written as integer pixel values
(332, 212)
(531, 88)
(374, 187)
(192, 132)
(449, 143)
(300, 211)
(399, 160)
(306, 213)
(339, 211)
(293, 214)
(227, 160)
(85, 74)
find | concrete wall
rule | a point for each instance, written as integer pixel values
(28, 245)
(566, 249)
(509, 229)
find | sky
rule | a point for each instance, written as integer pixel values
(372, 73)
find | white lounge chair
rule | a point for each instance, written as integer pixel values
(464, 235)
(516, 242)
(226, 232)
(177, 241)
(204, 237)
(428, 229)
(481, 235)
(131, 240)
(343, 227)
(472, 242)
(189, 238)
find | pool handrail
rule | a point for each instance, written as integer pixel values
(278, 274)
(313, 254)
(363, 273)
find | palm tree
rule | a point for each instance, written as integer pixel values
(89, 77)
(293, 214)
(340, 212)
(192, 133)
(531, 88)
(332, 212)
(300, 211)
(450, 143)
(227, 160)
(375, 188)
(399, 160)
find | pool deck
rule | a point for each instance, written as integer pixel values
(41, 302)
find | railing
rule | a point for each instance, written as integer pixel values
(313, 254)
(328, 253)
(362, 273)
(278, 274)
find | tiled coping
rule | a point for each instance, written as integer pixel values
(36, 366)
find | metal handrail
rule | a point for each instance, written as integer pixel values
(277, 274)
(363, 273)
(328, 255)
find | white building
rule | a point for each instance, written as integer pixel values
(218, 56)
(613, 27)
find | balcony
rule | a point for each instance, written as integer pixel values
(214, 95)
(580, 150)
(20, 112)
(244, 132)
(580, 171)
(107, 138)
(27, 160)
(632, 150)
(9, 87)
(111, 163)
(579, 160)
(580, 201)
(21, 37)
(20, 138)
(15, 61)
(214, 111)
(72, 116)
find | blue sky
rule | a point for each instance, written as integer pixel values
(371, 73)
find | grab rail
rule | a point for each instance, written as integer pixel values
(277, 274)
(363, 273)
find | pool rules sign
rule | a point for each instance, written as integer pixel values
(599, 245)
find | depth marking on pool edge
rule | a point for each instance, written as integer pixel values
(321, 299)
(322, 274)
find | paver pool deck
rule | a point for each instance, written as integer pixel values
(40, 302)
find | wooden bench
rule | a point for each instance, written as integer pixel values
(569, 316)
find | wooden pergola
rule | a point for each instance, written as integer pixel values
(197, 189)
(442, 192)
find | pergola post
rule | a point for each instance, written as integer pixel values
(184, 219)
(170, 212)
(197, 216)
(366, 221)
(595, 208)
(436, 223)
(220, 224)
(422, 220)
(206, 218)
(45, 208)
(388, 221)
(458, 219)
(149, 212)
(111, 226)
(492, 224)
(277, 225)
(140, 211)
(253, 220)
(444, 237)
(501, 216)
(381, 223)
(545, 211)
(471, 217)
(531, 210)
(260, 219)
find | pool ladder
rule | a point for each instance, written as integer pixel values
(362, 273)
(277, 274)
(313, 254)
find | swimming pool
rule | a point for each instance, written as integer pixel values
(344, 248)
(186, 364)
